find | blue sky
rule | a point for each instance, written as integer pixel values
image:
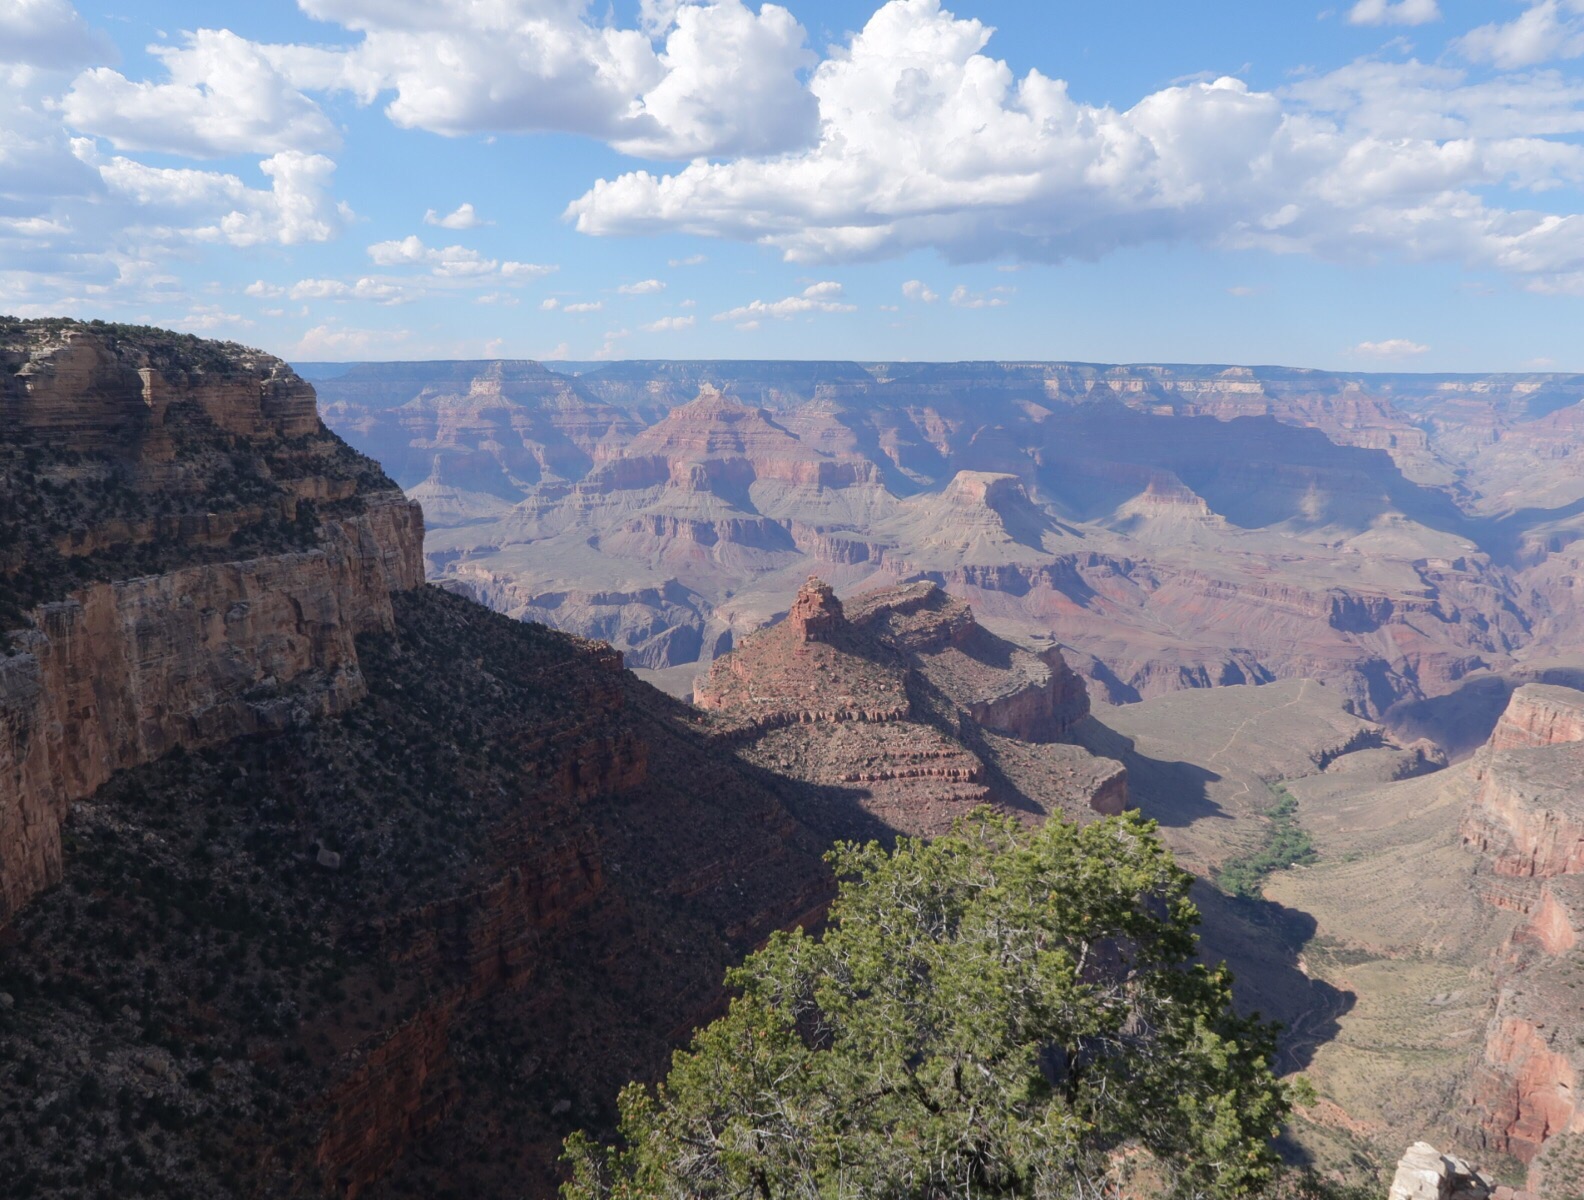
(1389, 185)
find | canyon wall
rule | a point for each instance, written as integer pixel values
(116, 672)
(1526, 822)
(367, 890)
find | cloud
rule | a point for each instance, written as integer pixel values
(692, 260)
(339, 342)
(927, 142)
(450, 262)
(917, 289)
(380, 291)
(263, 290)
(226, 95)
(643, 287)
(670, 324)
(613, 339)
(210, 319)
(1402, 12)
(724, 81)
(816, 298)
(463, 218)
(49, 34)
(296, 208)
(729, 85)
(1391, 348)
(583, 306)
(961, 297)
(1540, 34)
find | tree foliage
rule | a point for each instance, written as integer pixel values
(998, 1012)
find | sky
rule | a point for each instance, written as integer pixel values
(1374, 185)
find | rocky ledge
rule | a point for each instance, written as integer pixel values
(186, 555)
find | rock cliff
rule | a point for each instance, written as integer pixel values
(1526, 824)
(899, 708)
(168, 578)
(317, 880)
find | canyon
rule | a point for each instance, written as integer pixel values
(320, 877)
(1399, 537)
(1449, 904)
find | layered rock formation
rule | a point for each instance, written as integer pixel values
(1180, 527)
(364, 890)
(900, 708)
(1527, 825)
(200, 470)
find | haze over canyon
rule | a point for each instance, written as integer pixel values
(1174, 526)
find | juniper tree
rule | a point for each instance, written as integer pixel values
(1000, 1012)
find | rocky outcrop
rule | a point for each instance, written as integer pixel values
(1527, 816)
(119, 674)
(1424, 1173)
(816, 614)
(1025, 693)
(1540, 714)
(902, 704)
(116, 672)
(1527, 824)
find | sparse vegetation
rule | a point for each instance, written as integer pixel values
(1286, 845)
(79, 508)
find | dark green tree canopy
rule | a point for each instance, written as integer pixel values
(998, 1012)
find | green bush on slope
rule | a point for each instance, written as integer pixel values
(999, 1012)
(1286, 845)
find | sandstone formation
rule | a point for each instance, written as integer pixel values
(1540, 715)
(1179, 527)
(899, 707)
(1527, 825)
(245, 601)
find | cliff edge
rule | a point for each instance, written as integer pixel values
(186, 555)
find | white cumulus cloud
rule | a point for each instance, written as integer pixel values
(50, 34)
(725, 79)
(225, 95)
(816, 298)
(463, 217)
(961, 297)
(1549, 30)
(218, 206)
(670, 324)
(917, 289)
(928, 142)
(644, 287)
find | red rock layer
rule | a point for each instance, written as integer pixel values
(1527, 823)
(1540, 714)
(903, 704)
(117, 673)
